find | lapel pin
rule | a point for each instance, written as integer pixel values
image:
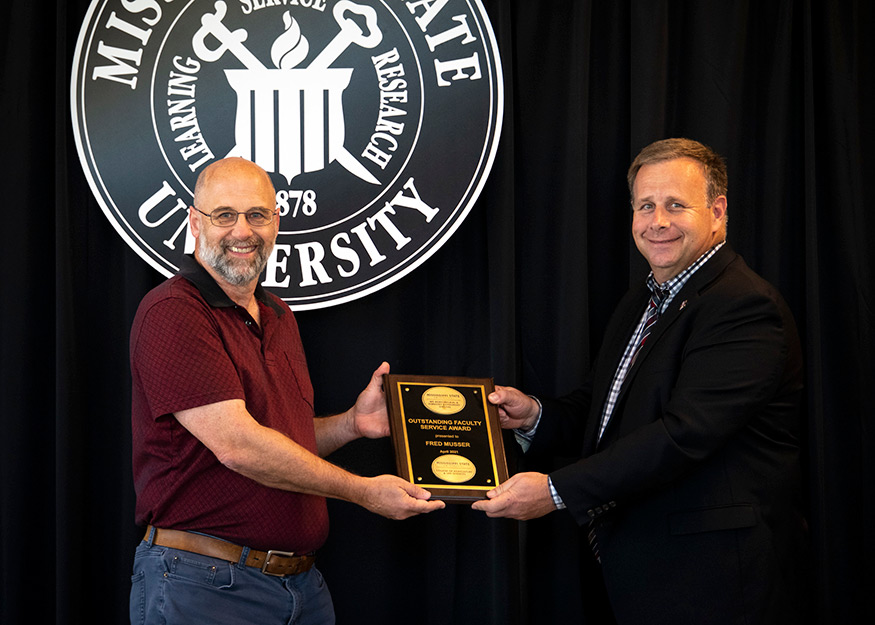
(683, 305)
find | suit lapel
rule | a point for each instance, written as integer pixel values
(627, 316)
(682, 302)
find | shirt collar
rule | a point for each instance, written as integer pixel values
(194, 272)
(668, 289)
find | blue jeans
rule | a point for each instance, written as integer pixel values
(172, 587)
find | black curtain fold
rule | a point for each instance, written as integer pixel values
(521, 292)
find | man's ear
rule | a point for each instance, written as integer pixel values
(194, 222)
(718, 209)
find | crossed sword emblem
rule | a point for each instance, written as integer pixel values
(350, 33)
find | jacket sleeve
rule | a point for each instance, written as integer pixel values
(706, 381)
(562, 425)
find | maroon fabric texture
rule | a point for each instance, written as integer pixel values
(192, 346)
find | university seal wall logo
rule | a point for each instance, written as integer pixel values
(378, 122)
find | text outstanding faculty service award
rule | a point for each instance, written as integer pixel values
(446, 435)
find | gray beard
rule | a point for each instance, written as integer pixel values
(236, 273)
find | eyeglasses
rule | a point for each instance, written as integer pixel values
(224, 217)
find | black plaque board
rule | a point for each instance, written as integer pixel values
(446, 435)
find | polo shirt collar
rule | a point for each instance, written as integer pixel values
(194, 272)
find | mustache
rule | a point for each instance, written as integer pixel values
(252, 240)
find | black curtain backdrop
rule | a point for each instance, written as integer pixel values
(521, 292)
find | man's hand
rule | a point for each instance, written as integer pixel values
(369, 415)
(397, 499)
(367, 418)
(516, 410)
(524, 496)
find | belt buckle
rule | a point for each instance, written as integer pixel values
(271, 553)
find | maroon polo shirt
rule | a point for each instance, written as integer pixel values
(192, 346)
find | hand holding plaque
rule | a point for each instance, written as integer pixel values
(446, 435)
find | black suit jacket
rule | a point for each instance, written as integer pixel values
(693, 489)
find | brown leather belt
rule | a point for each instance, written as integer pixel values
(277, 563)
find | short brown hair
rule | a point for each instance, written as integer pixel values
(716, 177)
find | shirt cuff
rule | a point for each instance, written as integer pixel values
(560, 505)
(524, 439)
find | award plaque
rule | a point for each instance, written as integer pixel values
(446, 435)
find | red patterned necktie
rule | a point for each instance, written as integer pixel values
(652, 315)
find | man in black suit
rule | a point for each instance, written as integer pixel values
(687, 486)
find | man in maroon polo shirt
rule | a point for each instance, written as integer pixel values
(227, 454)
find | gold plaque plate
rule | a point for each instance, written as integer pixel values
(446, 435)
